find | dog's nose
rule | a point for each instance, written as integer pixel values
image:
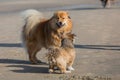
(60, 23)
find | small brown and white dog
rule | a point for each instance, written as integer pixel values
(62, 57)
(39, 32)
(107, 3)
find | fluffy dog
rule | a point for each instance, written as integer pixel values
(39, 32)
(62, 57)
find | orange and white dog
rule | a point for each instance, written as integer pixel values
(62, 57)
(39, 32)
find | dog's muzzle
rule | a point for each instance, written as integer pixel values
(60, 24)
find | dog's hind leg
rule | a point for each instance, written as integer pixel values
(32, 57)
(32, 51)
(104, 3)
(109, 3)
(51, 68)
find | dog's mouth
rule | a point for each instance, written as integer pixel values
(60, 24)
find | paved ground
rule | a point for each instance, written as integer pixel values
(97, 44)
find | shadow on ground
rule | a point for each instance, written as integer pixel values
(13, 61)
(97, 47)
(22, 66)
(28, 69)
(10, 45)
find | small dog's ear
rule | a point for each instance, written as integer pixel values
(69, 17)
(71, 35)
(74, 35)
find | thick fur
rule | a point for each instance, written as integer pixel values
(62, 57)
(39, 32)
(107, 3)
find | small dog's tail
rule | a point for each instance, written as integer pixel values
(31, 18)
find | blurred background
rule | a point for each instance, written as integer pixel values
(7, 6)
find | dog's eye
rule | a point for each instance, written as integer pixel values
(58, 18)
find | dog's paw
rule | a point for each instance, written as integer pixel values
(67, 72)
(51, 71)
(70, 68)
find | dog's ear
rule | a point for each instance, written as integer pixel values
(55, 14)
(72, 36)
(69, 17)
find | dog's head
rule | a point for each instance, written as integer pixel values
(68, 40)
(61, 19)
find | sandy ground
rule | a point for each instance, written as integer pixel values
(97, 44)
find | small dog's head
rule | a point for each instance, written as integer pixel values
(61, 19)
(68, 40)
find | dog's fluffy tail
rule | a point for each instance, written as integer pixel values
(32, 18)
